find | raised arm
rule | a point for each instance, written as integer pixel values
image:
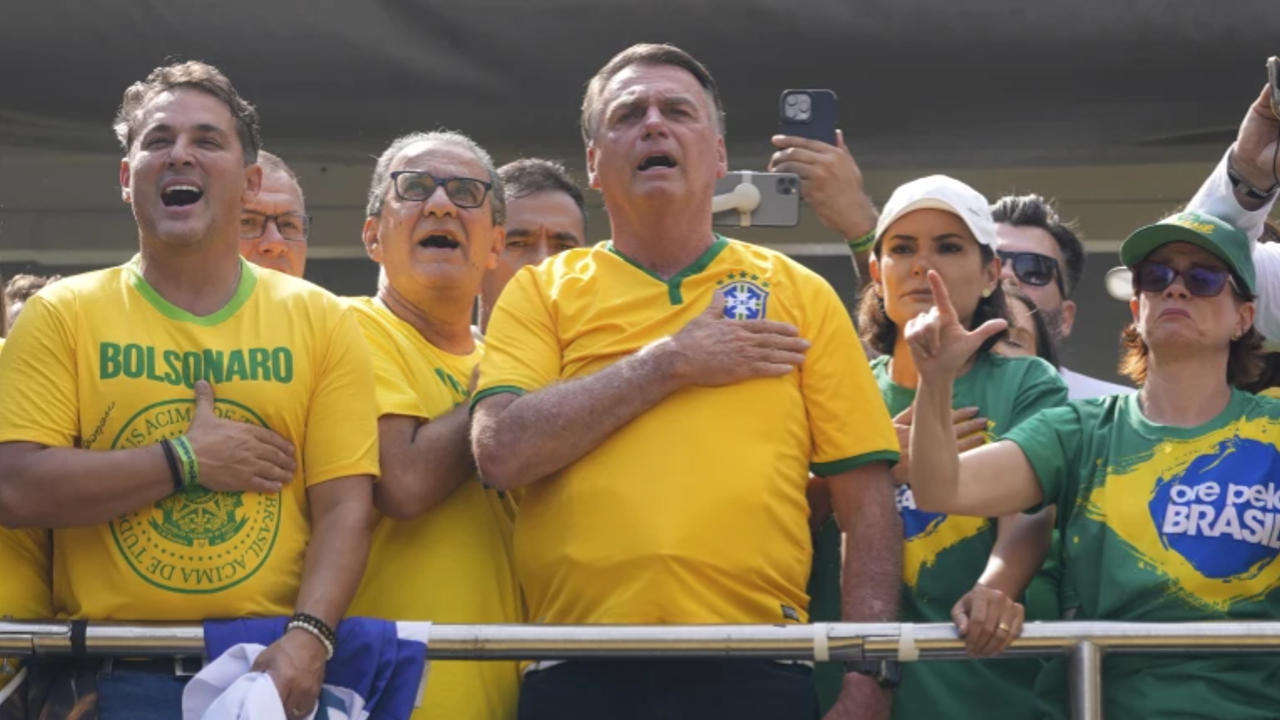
(831, 183)
(518, 439)
(989, 481)
(55, 487)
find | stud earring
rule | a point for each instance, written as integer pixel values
(986, 292)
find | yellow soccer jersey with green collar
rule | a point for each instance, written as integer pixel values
(694, 512)
(101, 361)
(453, 563)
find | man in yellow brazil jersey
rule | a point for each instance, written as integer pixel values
(443, 551)
(661, 398)
(159, 416)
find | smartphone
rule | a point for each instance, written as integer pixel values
(808, 113)
(1273, 79)
(776, 197)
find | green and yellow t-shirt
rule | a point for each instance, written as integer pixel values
(452, 564)
(1168, 524)
(943, 555)
(101, 361)
(695, 511)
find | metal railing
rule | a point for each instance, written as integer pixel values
(1085, 641)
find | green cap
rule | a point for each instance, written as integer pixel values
(1206, 231)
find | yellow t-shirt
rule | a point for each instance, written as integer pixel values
(452, 564)
(695, 511)
(101, 361)
(24, 587)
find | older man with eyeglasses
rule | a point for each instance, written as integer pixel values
(274, 224)
(1044, 258)
(434, 225)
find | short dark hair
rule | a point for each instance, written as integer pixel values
(198, 76)
(645, 54)
(529, 176)
(1046, 348)
(881, 333)
(1034, 211)
(381, 182)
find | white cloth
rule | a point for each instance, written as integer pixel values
(1083, 387)
(227, 689)
(1216, 197)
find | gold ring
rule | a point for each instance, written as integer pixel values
(1004, 627)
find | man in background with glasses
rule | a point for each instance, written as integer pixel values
(274, 224)
(1044, 258)
(434, 225)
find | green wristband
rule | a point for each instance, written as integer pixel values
(863, 243)
(187, 462)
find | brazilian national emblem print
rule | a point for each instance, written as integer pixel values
(745, 296)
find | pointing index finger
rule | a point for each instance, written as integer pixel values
(941, 298)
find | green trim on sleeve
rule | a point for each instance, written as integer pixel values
(248, 280)
(496, 390)
(673, 284)
(835, 467)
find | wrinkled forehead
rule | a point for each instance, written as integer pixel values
(440, 158)
(644, 83)
(181, 108)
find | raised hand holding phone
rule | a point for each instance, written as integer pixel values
(939, 344)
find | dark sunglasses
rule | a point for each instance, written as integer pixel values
(1033, 268)
(465, 192)
(1152, 276)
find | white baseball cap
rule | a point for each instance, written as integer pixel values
(939, 192)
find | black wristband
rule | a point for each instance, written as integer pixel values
(174, 472)
(316, 624)
(887, 673)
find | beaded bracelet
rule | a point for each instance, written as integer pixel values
(317, 626)
(315, 632)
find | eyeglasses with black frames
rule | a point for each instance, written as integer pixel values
(292, 226)
(415, 185)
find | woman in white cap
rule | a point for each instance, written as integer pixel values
(939, 224)
(1169, 498)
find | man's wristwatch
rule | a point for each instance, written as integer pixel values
(887, 673)
(1244, 186)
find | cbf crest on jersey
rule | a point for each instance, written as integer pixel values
(745, 296)
(1203, 512)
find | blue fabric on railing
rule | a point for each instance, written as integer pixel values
(370, 659)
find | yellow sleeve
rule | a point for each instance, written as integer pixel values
(342, 418)
(38, 379)
(521, 348)
(396, 391)
(847, 417)
(26, 591)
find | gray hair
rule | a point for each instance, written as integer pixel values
(381, 182)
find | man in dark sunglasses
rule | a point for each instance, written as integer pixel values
(1044, 258)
